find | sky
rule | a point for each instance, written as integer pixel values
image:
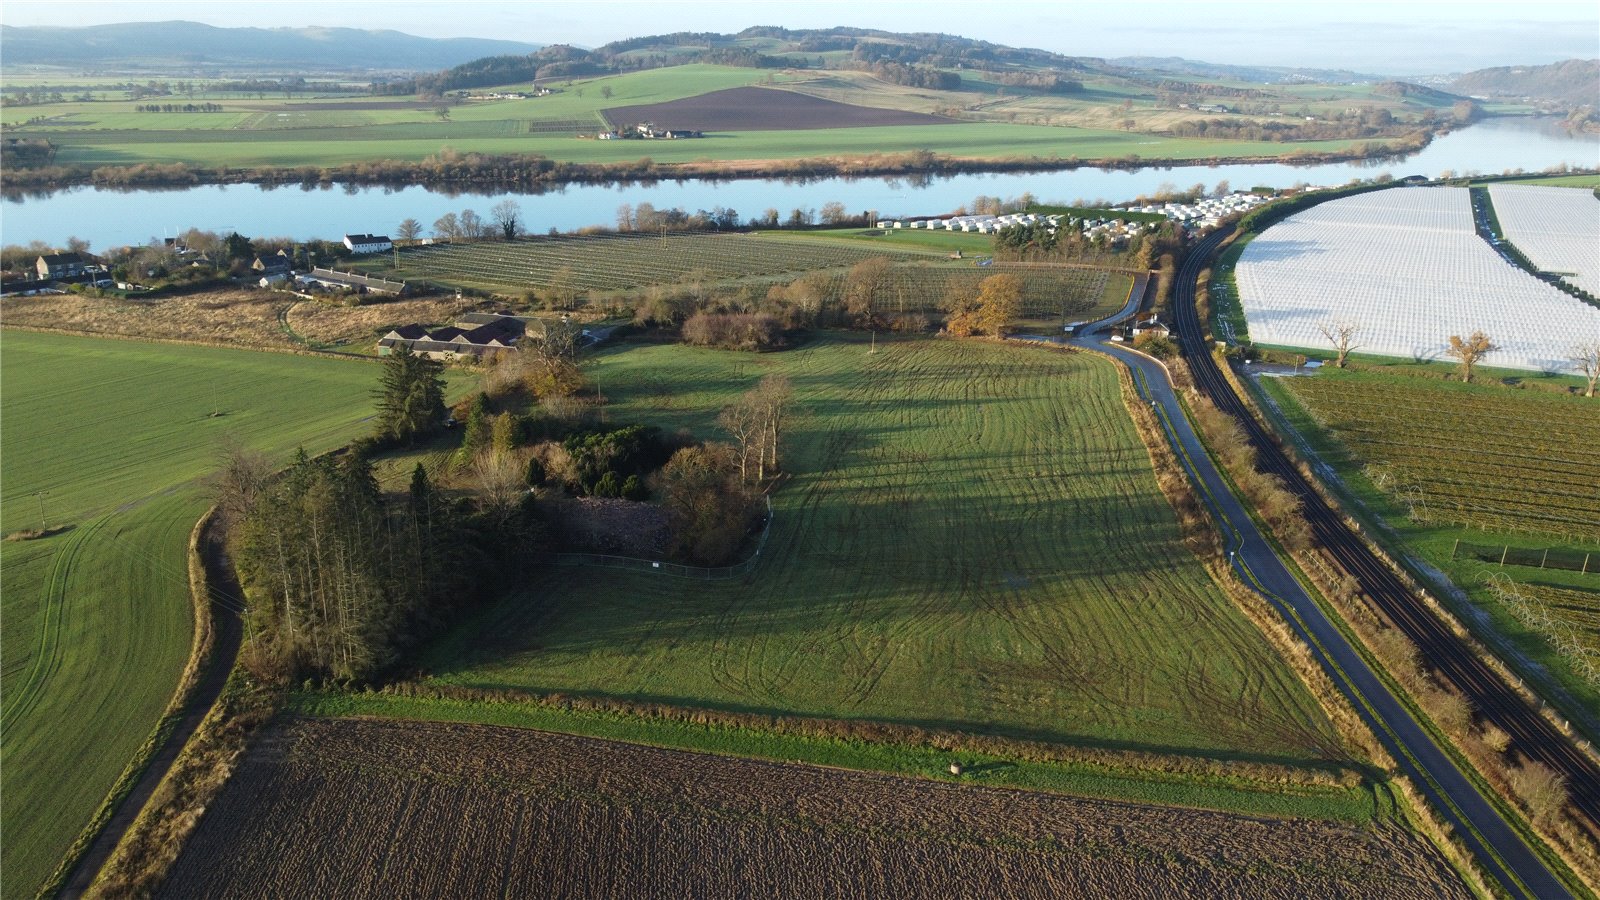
(1392, 37)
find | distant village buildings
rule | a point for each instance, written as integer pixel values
(646, 131)
(62, 265)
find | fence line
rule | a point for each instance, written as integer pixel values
(661, 567)
(1569, 558)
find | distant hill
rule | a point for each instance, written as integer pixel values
(1177, 65)
(1414, 91)
(1571, 83)
(174, 45)
(917, 59)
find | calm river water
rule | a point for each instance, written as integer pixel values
(109, 218)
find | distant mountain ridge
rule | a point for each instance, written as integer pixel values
(1572, 82)
(171, 44)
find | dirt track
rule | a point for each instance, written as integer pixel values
(228, 631)
(763, 109)
(369, 808)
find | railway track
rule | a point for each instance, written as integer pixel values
(1532, 735)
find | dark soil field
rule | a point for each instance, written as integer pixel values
(762, 109)
(377, 808)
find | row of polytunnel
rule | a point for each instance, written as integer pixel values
(1557, 228)
(1408, 269)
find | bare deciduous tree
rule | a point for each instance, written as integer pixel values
(1541, 789)
(866, 285)
(242, 476)
(507, 216)
(499, 479)
(756, 421)
(1586, 356)
(447, 227)
(1470, 351)
(408, 230)
(1341, 333)
(743, 421)
(772, 397)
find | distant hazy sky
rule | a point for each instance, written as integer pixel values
(1383, 36)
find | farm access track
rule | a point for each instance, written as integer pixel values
(1532, 736)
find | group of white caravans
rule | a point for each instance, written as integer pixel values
(1407, 267)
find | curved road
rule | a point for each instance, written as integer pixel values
(1532, 735)
(1500, 850)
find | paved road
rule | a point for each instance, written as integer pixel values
(1511, 861)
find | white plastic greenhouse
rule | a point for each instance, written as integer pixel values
(1557, 228)
(1408, 268)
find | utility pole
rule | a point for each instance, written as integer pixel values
(41, 495)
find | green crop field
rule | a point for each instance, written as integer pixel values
(416, 141)
(972, 538)
(318, 131)
(969, 243)
(1588, 181)
(1485, 465)
(622, 263)
(111, 436)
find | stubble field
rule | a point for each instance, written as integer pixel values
(405, 809)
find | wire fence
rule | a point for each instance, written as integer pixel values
(1568, 558)
(676, 570)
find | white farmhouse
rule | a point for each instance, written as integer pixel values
(368, 243)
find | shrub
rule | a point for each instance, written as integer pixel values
(1156, 345)
(734, 331)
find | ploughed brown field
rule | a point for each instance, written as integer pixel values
(376, 808)
(762, 109)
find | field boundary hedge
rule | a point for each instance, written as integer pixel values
(1327, 774)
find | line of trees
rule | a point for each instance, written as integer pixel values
(178, 107)
(505, 221)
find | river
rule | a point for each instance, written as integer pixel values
(111, 218)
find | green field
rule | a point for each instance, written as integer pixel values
(418, 141)
(1527, 477)
(969, 243)
(1588, 181)
(623, 264)
(972, 539)
(318, 131)
(98, 619)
